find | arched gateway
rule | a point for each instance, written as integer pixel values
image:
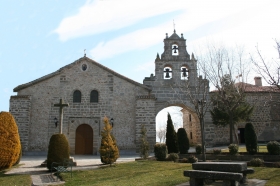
(174, 68)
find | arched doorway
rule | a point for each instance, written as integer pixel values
(84, 140)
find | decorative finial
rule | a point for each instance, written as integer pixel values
(85, 53)
(193, 57)
(174, 26)
(157, 59)
(166, 35)
(182, 36)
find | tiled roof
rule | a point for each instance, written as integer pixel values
(23, 86)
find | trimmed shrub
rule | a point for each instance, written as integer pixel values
(233, 149)
(171, 136)
(58, 150)
(250, 139)
(198, 149)
(160, 151)
(273, 148)
(183, 141)
(144, 144)
(173, 157)
(256, 162)
(9, 139)
(217, 151)
(109, 152)
(192, 159)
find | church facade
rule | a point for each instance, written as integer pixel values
(94, 91)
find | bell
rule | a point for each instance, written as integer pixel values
(184, 74)
(175, 51)
(167, 75)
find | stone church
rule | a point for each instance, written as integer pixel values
(94, 91)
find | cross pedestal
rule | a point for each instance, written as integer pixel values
(61, 105)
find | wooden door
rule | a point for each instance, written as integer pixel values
(84, 140)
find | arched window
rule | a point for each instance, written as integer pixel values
(77, 96)
(167, 73)
(94, 96)
(175, 50)
(184, 73)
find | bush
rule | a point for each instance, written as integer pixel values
(9, 139)
(173, 157)
(273, 148)
(250, 139)
(171, 136)
(109, 152)
(198, 149)
(255, 162)
(160, 151)
(144, 144)
(58, 150)
(184, 160)
(217, 151)
(192, 159)
(233, 149)
(183, 141)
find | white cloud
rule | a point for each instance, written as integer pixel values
(100, 16)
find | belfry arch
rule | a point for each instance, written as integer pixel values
(163, 92)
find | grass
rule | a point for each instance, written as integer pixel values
(243, 149)
(14, 179)
(133, 173)
(152, 173)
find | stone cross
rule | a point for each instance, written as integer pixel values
(61, 105)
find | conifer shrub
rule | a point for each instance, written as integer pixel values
(160, 151)
(192, 159)
(217, 151)
(198, 149)
(250, 139)
(58, 150)
(109, 152)
(171, 136)
(256, 162)
(183, 141)
(144, 144)
(273, 148)
(233, 149)
(173, 157)
(9, 141)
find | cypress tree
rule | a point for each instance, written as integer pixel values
(109, 152)
(250, 139)
(171, 136)
(144, 144)
(183, 141)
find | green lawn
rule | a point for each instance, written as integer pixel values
(151, 173)
(243, 149)
(14, 180)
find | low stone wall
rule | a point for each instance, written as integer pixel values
(222, 157)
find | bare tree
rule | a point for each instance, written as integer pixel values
(269, 70)
(218, 63)
(197, 92)
(161, 134)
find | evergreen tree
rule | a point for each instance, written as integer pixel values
(144, 144)
(229, 105)
(183, 141)
(109, 152)
(250, 139)
(171, 136)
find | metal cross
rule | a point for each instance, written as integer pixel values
(61, 105)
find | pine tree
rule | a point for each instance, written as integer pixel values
(250, 139)
(109, 152)
(183, 141)
(144, 144)
(171, 136)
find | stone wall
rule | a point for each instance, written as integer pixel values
(20, 109)
(117, 100)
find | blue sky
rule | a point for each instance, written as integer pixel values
(39, 37)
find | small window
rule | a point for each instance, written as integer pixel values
(191, 135)
(77, 95)
(190, 117)
(94, 96)
(167, 73)
(84, 67)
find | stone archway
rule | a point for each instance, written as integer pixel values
(84, 140)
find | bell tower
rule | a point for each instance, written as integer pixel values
(175, 64)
